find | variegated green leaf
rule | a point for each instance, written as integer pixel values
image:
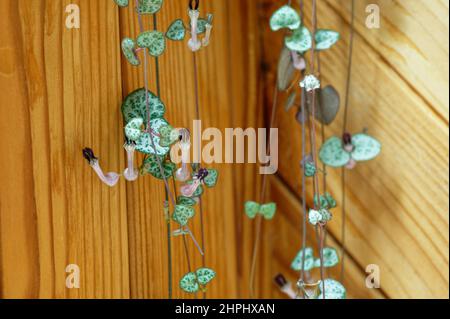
(168, 136)
(268, 210)
(297, 263)
(310, 169)
(251, 209)
(128, 50)
(325, 39)
(330, 200)
(133, 129)
(176, 31)
(186, 201)
(149, 6)
(144, 144)
(333, 290)
(323, 202)
(151, 166)
(121, 3)
(183, 214)
(326, 215)
(332, 154)
(154, 41)
(285, 17)
(330, 258)
(366, 147)
(205, 275)
(299, 41)
(211, 179)
(134, 106)
(189, 283)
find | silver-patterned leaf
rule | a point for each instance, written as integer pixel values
(330, 258)
(129, 51)
(149, 6)
(366, 147)
(333, 290)
(176, 31)
(285, 17)
(297, 263)
(154, 41)
(300, 40)
(121, 3)
(325, 39)
(332, 154)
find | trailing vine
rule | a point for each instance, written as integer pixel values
(148, 131)
(322, 105)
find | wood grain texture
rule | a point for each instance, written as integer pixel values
(62, 90)
(70, 83)
(397, 204)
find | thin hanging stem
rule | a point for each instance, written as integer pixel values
(197, 117)
(347, 99)
(304, 225)
(262, 198)
(147, 103)
(313, 137)
(169, 228)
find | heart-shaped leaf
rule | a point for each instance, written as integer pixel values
(299, 41)
(189, 283)
(183, 214)
(332, 154)
(151, 166)
(134, 106)
(205, 275)
(366, 147)
(145, 145)
(297, 263)
(201, 25)
(186, 201)
(325, 39)
(176, 31)
(251, 209)
(154, 41)
(286, 69)
(285, 17)
(330, 200)
(149, 6)
(168, 136)
(212, 177)
(310, 169)
(326, 215)
(129, 51)
(330, 258)
(133, 129)
(121, 3)
(333, 290)
(323, 202)
(268, 210)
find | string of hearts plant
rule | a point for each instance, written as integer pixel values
(148, 132)
(321, 105)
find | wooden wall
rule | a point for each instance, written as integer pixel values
(397, 205)
(62, 89)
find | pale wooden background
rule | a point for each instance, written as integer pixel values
(61, 90)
